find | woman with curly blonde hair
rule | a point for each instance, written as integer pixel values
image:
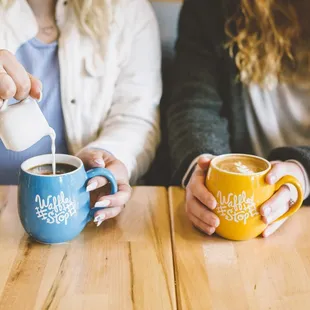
(242, 85)
(94, 65)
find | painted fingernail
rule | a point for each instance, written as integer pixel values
(41, 96)
(212, 204)
(212, 230)
(99, 223)
(99, 218)
(217, 223)
(266, 234)
(100, 162)
(92, 186)
(267, 211)
(268, 220)
(103, 203)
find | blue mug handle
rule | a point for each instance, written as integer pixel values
(102, 172)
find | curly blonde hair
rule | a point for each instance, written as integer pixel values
(272, 39)
(93, 17)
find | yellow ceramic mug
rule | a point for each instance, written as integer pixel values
(237, 181)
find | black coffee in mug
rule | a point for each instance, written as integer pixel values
(48, 169)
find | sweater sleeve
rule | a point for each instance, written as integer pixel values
(131, 130)
(300, 154)
(194, 122)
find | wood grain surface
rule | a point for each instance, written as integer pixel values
(124, 264)
(264, 274)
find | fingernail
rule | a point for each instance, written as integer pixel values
(103, 203)
(266, 234)
(92, 186)
(268, 220)
(99, 218)
(212, 204)
(212, 230)
(99, 223)
(41, 96)
(100, 162)
(267, 211)
(272, 179)
(217, 223)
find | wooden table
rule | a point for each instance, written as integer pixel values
(124, 264)
(213, 273)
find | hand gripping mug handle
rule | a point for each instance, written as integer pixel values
(102, 172)
(290, 180)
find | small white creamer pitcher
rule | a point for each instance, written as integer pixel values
(22, 124)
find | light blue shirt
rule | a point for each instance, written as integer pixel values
(41, 60)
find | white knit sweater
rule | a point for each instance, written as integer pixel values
(111, 103)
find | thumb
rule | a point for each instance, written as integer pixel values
(204, 161)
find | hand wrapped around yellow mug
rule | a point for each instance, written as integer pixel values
(237, 181)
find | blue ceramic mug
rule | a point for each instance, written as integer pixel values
(56, 208)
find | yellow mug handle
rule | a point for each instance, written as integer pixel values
(285, 180)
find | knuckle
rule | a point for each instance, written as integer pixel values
(212, 221)
(122, 198)
(125, 197)
(108, 215)
(198, 191)
(202, 216)
(277, 164)
(114, 212)
(276, 167)
(193, 220)
(92, 156)
(8, 91)
(127, 189)
(208, 200)
(23, 88)
(198, 173)
(118, 162)
(207, 218)
(280, 168)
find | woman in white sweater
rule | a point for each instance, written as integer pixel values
(99, 63)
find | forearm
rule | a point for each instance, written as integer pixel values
(132, 141)
(194, 132)
(194, 121)
(131, 129)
